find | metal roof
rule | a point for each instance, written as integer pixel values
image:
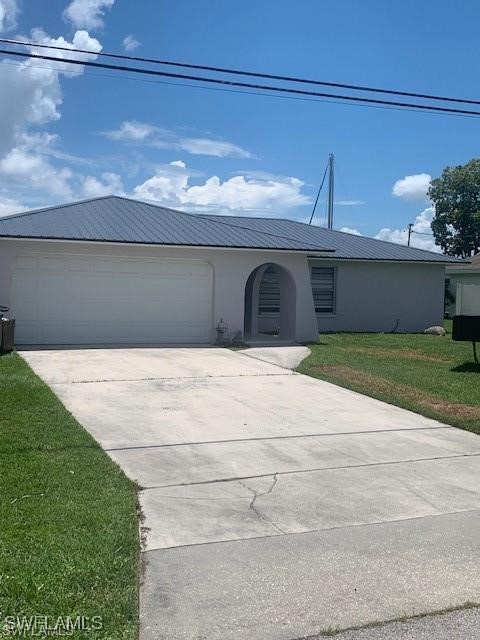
(345, 245)
(471, 265)
(116, 219)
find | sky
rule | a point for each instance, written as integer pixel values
(69, 134)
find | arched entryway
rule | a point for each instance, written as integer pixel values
(270, 304)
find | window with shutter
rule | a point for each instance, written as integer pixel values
(323, 288)
(269, 292)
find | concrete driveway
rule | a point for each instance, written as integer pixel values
(276, 506)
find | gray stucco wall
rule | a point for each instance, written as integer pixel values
(373, 296)
(230, 271)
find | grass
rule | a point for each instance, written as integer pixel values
(69, 531)
(430, 375)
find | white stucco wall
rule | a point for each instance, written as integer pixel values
(370, 296)
(230, 270)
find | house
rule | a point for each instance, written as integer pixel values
(115, 270)
(467, 273)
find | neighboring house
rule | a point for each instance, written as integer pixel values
(114, 270)
(468, 273)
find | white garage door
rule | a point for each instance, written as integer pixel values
(77, 299)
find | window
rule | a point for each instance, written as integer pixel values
(269, 292)
(323, 289)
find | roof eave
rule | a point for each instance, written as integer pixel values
(397, 260)
(328, 252)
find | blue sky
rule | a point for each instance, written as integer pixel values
(66, 137)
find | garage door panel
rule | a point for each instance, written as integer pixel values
(107, 332)
(74, 299)
(26, 262)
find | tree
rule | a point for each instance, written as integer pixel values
(456, 198)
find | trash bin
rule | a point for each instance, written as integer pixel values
(7, 332)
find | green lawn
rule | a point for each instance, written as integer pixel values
(431, 375)
(68, 535)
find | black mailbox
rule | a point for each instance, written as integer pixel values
(467, 329)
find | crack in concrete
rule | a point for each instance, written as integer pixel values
(331, 632)
(257, 495)
(174, 378)
(312, 470)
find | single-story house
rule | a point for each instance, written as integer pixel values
(456, 274)
(115, 270)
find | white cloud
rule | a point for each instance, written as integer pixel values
(170, 186)
(33, 88)
(87, 14)
(111, 184)
(150, 135)
(130, 44)
(353, 232)
(34, 99)
(349, 203)
(421, 226)
(32, 171)
(131, 131)
(8, 15)
(81, 40)
(412, 187)
(209, 147)
(10, 205)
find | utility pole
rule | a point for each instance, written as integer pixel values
(410, 229)
(330, 191)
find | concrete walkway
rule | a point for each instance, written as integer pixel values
(287, 357)
(277, 506)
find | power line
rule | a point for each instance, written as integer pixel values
(253, 74)
(344, 102)
(281, 90)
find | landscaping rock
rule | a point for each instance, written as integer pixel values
(435, 331)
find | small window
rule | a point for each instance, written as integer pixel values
(269, 292)
(323, 289)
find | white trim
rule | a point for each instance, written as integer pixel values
(166, 246)
(308, 253)
(334, 258)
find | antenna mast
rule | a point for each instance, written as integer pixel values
(331, 188)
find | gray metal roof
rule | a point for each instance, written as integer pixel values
(345, 245)
(116, 219)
